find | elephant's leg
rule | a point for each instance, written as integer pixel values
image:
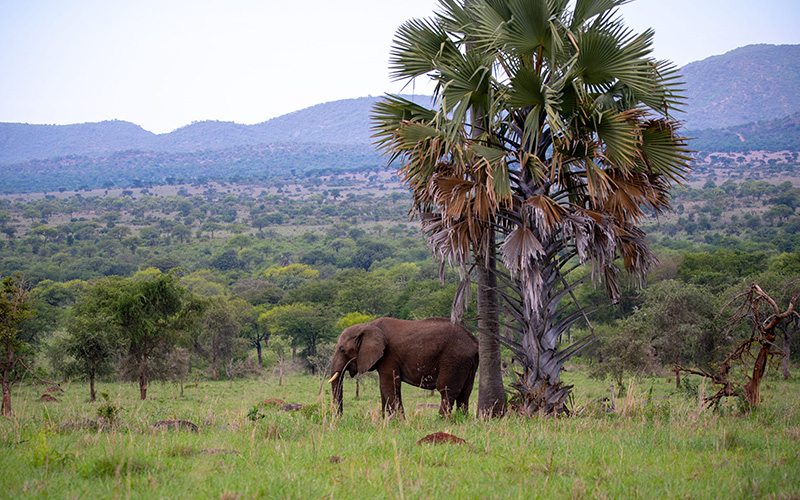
(456, 387)
(462, 401)
(448, 399)
(391, 400)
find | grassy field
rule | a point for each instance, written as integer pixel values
(668, 448)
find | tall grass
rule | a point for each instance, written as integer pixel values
(657, 444)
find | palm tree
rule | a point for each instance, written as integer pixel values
(552, 134)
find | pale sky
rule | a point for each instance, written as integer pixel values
(163, 64)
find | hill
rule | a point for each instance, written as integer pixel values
(21, 141)
(746, 85)
(339, 122)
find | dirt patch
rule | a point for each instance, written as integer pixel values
(441, 438)
(274, 402)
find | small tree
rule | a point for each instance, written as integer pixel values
(14, 308)
(177, 365)
(354, 318)
(280, 345)
(255, 330)
(306, 324)
(624, 349)
(321, 361)
(679, 323)
(90, 343)
(218, 338)
(150, 310)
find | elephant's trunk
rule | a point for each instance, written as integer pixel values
(338, 367)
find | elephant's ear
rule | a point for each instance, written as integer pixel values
(373, 343)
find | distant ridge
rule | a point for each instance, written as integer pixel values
(21, 141)
(338, 122)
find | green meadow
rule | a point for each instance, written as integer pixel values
(658, 443)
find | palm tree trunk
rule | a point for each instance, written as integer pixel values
(491, 394)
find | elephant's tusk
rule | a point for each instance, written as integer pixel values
(335, 376)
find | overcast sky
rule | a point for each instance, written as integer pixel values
(163, 64)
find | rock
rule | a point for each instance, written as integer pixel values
(291, 407)
(73, 425)
(177, 425)
(46, 398)
(441, 438)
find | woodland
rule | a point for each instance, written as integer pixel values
(293, 260)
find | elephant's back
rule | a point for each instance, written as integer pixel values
(435, 333)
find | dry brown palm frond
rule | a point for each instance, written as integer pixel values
(520, 247)
(636, 254)
(449, 240)
(632, 193)
(593, 235)
(545, 213)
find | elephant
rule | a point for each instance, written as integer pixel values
(433, 353)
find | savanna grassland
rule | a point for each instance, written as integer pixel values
(658, 444)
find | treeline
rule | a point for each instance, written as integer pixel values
(135, 167)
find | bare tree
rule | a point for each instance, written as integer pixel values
(764, 316)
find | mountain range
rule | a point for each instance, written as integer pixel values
(751, 92)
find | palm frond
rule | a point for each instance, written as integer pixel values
(418, 45)
(664, 153)
(585, 10)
